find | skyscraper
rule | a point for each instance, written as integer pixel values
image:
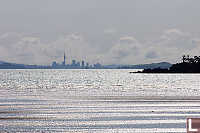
(73, 62)
(64, 63)
(82, 64)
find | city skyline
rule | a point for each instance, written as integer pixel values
(83, 65)
(75, 64)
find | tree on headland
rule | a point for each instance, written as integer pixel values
(184, 58)
(188, 65)
(187, 59)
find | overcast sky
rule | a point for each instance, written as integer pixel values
(105, 31)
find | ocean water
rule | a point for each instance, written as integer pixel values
(96, 101)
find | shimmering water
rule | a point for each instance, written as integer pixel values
(96, 101)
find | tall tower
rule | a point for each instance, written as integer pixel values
(64, 59)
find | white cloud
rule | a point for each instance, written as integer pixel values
(169, 46)
(127, 50)
(110, 31)
(173, 43)
(31, 50)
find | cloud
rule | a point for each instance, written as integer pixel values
(25, 50)
(110, 31)
(178, 39)
(151, 55)
(169, 46)
(31, 50)
(10, 38)
(126, 46)
(126, 50)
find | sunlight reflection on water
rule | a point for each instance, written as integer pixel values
(96, 101)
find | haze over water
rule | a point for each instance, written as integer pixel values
(96, 101)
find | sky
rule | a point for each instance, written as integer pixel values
(104, 31)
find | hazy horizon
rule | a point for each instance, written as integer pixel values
(108, 32)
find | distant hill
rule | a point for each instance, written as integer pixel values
(1, 62)
(163, 65)
(7, 65)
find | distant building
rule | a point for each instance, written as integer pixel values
(54, 64)
(87, 65)
(73, 62)
(78, 64)
(83, 64)
(97, 66)
(64, 61)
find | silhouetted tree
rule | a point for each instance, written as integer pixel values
(184, 58)
(188, 65)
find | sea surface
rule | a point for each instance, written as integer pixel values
(96, 101)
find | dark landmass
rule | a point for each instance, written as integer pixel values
(188, 65)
